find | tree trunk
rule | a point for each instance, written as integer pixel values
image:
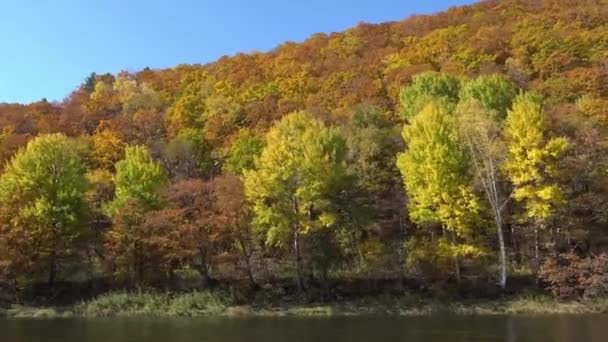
(203, 270)
(296, 248)
(53, 259)
(247, 257)
(52, 268)
(456, 261)
(457, 269)
(502, 252)
(401, 252)
(536, 256)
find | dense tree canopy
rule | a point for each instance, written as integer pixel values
(290, 163)
(43, 206)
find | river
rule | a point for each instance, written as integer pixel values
(592, 328)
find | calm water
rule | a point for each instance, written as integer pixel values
(428, 329)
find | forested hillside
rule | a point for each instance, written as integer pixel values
(469, 146)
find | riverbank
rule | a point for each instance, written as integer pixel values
(217, 303)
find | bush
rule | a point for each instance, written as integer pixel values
(127, 304)
(569, 275)
(199, 303)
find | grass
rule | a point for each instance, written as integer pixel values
(127, 304)
(223, 303)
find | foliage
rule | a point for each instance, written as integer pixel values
(300, 165)
(425, 87)
(570, 276)
(494, 93)
(137, 178)
(197, 165)
(106, 149)
(242, 153)
(137, 304)
(434, 169)
(42, 206)
(532, 158)
(189, 109)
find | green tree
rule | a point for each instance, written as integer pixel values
(190, 108)
(434, 169)
(531, 162)
(188, 155)
(43, 206)
(301, 165)
(425, 87)
(242, 153)
(492, 92)
(375, 202)
(137, 178)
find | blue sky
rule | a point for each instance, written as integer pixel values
(49, 47)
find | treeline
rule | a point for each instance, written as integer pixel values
(469, 145)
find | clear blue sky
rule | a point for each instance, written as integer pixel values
(49, 47)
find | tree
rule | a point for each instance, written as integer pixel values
(193, 213)
(233, 216)
(138, 178)
(480, 134)
(242, 153)
(492, 92)
(138, 239)
(103, 104)
(300, 166)
(531, 162)
(483, 103)
(42, 206)
(427, 86)
(189, 109)
(107, 148)
(434, 169)
(188, 155)
(375, 202)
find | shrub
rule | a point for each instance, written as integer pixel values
(568, 275)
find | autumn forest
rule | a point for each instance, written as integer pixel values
(462, 150)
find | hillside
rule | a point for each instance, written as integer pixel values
(202, 125)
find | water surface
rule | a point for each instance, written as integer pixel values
(593, 328)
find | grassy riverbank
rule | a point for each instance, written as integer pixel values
(220, 303)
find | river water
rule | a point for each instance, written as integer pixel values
(593, 328)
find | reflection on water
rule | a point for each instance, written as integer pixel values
(592, 328)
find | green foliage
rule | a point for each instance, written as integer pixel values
(190, 143)
(42, 204)
(493, 92)
(426, 87)
(190, 108)
(137, 304)
(242, 153)
(137, 178)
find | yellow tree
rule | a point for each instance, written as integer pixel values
(107, 148)
(531, 163)
(298, 170)
(434, 169)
